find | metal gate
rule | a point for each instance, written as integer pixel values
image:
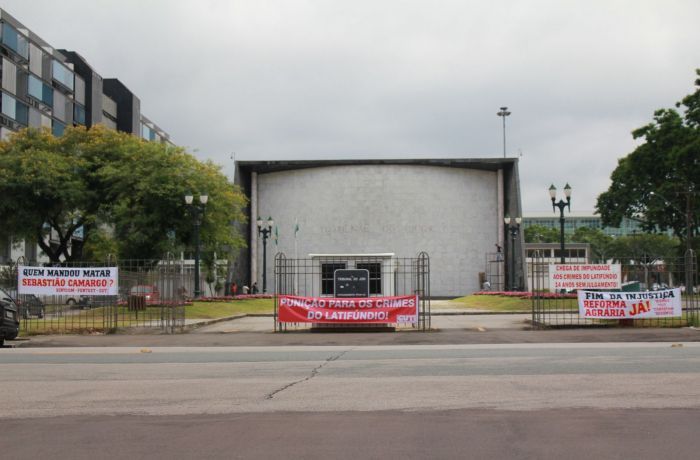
(389, 276)
(560, 309)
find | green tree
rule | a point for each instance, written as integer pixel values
(100, 246)
(98, 179)
(644, 250)
(644, 247)
(657, 182)
(541, 234)
(601, 244)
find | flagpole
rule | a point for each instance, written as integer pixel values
(296, 258)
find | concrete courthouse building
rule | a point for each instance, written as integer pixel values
(453, 209)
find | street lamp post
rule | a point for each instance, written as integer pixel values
(265, 230)
(504, 113)
(198, 215)
(561, 205)
(513, 224)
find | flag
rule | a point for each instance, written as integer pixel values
(277, 234)
(296, 228)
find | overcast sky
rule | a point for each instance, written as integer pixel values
(292, 79)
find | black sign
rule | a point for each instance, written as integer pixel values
(351, 283)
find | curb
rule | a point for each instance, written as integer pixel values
(472, 313)
(192, 326)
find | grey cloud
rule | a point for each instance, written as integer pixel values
(331, 79)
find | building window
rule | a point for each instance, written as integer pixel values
(60, 103)
(62, 74)
(148, 133)
(57, 128)
(375, 276)
(15, 41)
(327, 271)
(79, 90)
(15, 109)
(79, 114)
(40, 91)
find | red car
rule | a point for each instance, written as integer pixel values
(149, 291)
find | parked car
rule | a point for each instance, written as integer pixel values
(28, 304)
(149, 291)
(95, 301)
(9, 317)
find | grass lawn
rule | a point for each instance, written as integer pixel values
(211, 310)
(505, 303)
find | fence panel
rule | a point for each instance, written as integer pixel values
(389, 276)
(151, 294)
(560, 309)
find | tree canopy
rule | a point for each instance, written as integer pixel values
(126, 193)
(601, 244)
(644, 248)
(541, 234)
(657, 183)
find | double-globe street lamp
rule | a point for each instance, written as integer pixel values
(265, 230)
(197, 214)
(513, 224)
(561, 204)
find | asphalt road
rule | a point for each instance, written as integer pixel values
(604, 400)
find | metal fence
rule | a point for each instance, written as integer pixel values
(151, 294)
(646, 273)
(495, 274)
(388, 276)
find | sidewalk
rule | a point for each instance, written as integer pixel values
(447, 327)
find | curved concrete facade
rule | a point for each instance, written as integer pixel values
(449, 212)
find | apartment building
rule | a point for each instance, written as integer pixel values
(42, 86)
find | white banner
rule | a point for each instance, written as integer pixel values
(630, 305)
(97, 281)
(584, 276)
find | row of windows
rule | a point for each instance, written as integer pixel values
(28, 116)
(22, 89)
(556, 253)
(12, 39)
(375, 276)
(627, 226)
(32, 74)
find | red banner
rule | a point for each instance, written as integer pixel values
(295, 309)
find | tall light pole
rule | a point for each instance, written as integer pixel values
(561, 205)
(504, 113)
(265, 230)
(198, 214)
(513, 224)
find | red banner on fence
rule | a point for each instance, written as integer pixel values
(295, 309)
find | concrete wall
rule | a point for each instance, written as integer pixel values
(451, 213)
